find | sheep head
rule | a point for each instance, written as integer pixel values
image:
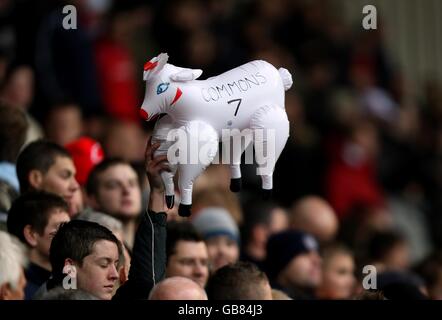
(162, 85)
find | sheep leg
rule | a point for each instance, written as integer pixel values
(160, 134)
(270, 131)
(201, 146)
(234, 144)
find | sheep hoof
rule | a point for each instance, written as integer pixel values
(184, 210)
(266, 194)
(235, 185)
(170, 200)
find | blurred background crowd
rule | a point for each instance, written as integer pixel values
(361, 171)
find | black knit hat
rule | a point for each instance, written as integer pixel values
(283, 247)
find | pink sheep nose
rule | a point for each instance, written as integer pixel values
(143, 114)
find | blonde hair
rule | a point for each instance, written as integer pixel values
(217, 197)
(280, 295)
(13, 259)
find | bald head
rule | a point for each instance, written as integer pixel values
(314, 215)
(177, 288)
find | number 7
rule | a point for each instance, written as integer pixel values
(237, 107)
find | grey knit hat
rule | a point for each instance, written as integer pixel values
(215, 221)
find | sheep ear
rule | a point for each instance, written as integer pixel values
(155, 65)
(186, 75)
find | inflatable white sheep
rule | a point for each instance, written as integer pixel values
(249, 97)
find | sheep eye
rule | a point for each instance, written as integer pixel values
(162, 87)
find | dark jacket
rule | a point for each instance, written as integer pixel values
(148, 264)
(35, 277)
